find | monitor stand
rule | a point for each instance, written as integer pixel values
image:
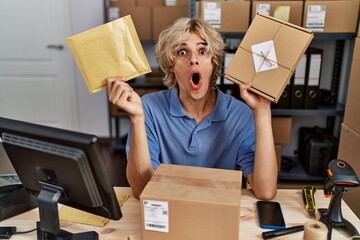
(48, 228)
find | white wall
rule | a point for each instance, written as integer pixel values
(93, 111)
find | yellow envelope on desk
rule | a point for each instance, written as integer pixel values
(70, 214)
(112, 49)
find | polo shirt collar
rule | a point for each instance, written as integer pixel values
(219, 113)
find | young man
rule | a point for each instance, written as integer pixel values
(193, 122)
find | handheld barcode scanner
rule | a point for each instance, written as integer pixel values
(341, 176)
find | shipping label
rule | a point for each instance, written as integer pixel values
(212, 13)
(316, 17)
(156, 215)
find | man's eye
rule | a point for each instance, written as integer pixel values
(203, 52)
(182, 53)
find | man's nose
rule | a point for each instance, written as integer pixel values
(193, 60)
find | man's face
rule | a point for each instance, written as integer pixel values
(193, 67)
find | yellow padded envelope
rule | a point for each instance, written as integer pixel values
(70, 214)
(112, 49)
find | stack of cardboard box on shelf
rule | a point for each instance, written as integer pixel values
(150, 17)
(350, 129)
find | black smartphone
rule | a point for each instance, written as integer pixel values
(7, 232)
(270, 215)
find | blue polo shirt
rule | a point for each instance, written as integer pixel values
(225, 139)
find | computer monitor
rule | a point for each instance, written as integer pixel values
(60, 166)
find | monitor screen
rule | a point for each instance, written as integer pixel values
(59, 164)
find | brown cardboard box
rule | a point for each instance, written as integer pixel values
(352, 113)
(349, 151)
(122, 3)
(341, 16)
(191, 203)
(234, 16)
(141, 16)
(163, 17)
(289, 43)
(281, 127)
(150, 3)
(289, 11)
(116, 5)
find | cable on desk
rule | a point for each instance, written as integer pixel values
(23, 232)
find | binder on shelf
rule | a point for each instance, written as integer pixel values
(284, 100)
(313, 73)
(298, 85)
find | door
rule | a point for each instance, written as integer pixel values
(37, 78)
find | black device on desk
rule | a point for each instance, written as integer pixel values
(7, 232)
(270, 215)
(62, 166)
(341, 176)
(14, 199)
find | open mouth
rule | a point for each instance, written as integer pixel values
(195, 78)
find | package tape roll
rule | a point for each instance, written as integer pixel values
(315, 230)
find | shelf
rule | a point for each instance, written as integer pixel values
(233, 35)
(298, 173)
(147, 81)
(337, 110)
(334, 36)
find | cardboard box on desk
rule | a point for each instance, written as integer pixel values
(268, 55)
(349, 151)
(192, 203)
(352, 113)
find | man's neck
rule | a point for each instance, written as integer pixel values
(200, 109)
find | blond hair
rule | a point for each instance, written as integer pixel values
(175, 35)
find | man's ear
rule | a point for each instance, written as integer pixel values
(171, 68)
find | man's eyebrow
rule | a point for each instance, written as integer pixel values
(199, 43)
(203, 43)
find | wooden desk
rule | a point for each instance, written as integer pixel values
(290, 200)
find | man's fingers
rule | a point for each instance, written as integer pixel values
(110, 81)
(246, 86)
(116, 85)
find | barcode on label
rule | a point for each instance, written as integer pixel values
(155, 225)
